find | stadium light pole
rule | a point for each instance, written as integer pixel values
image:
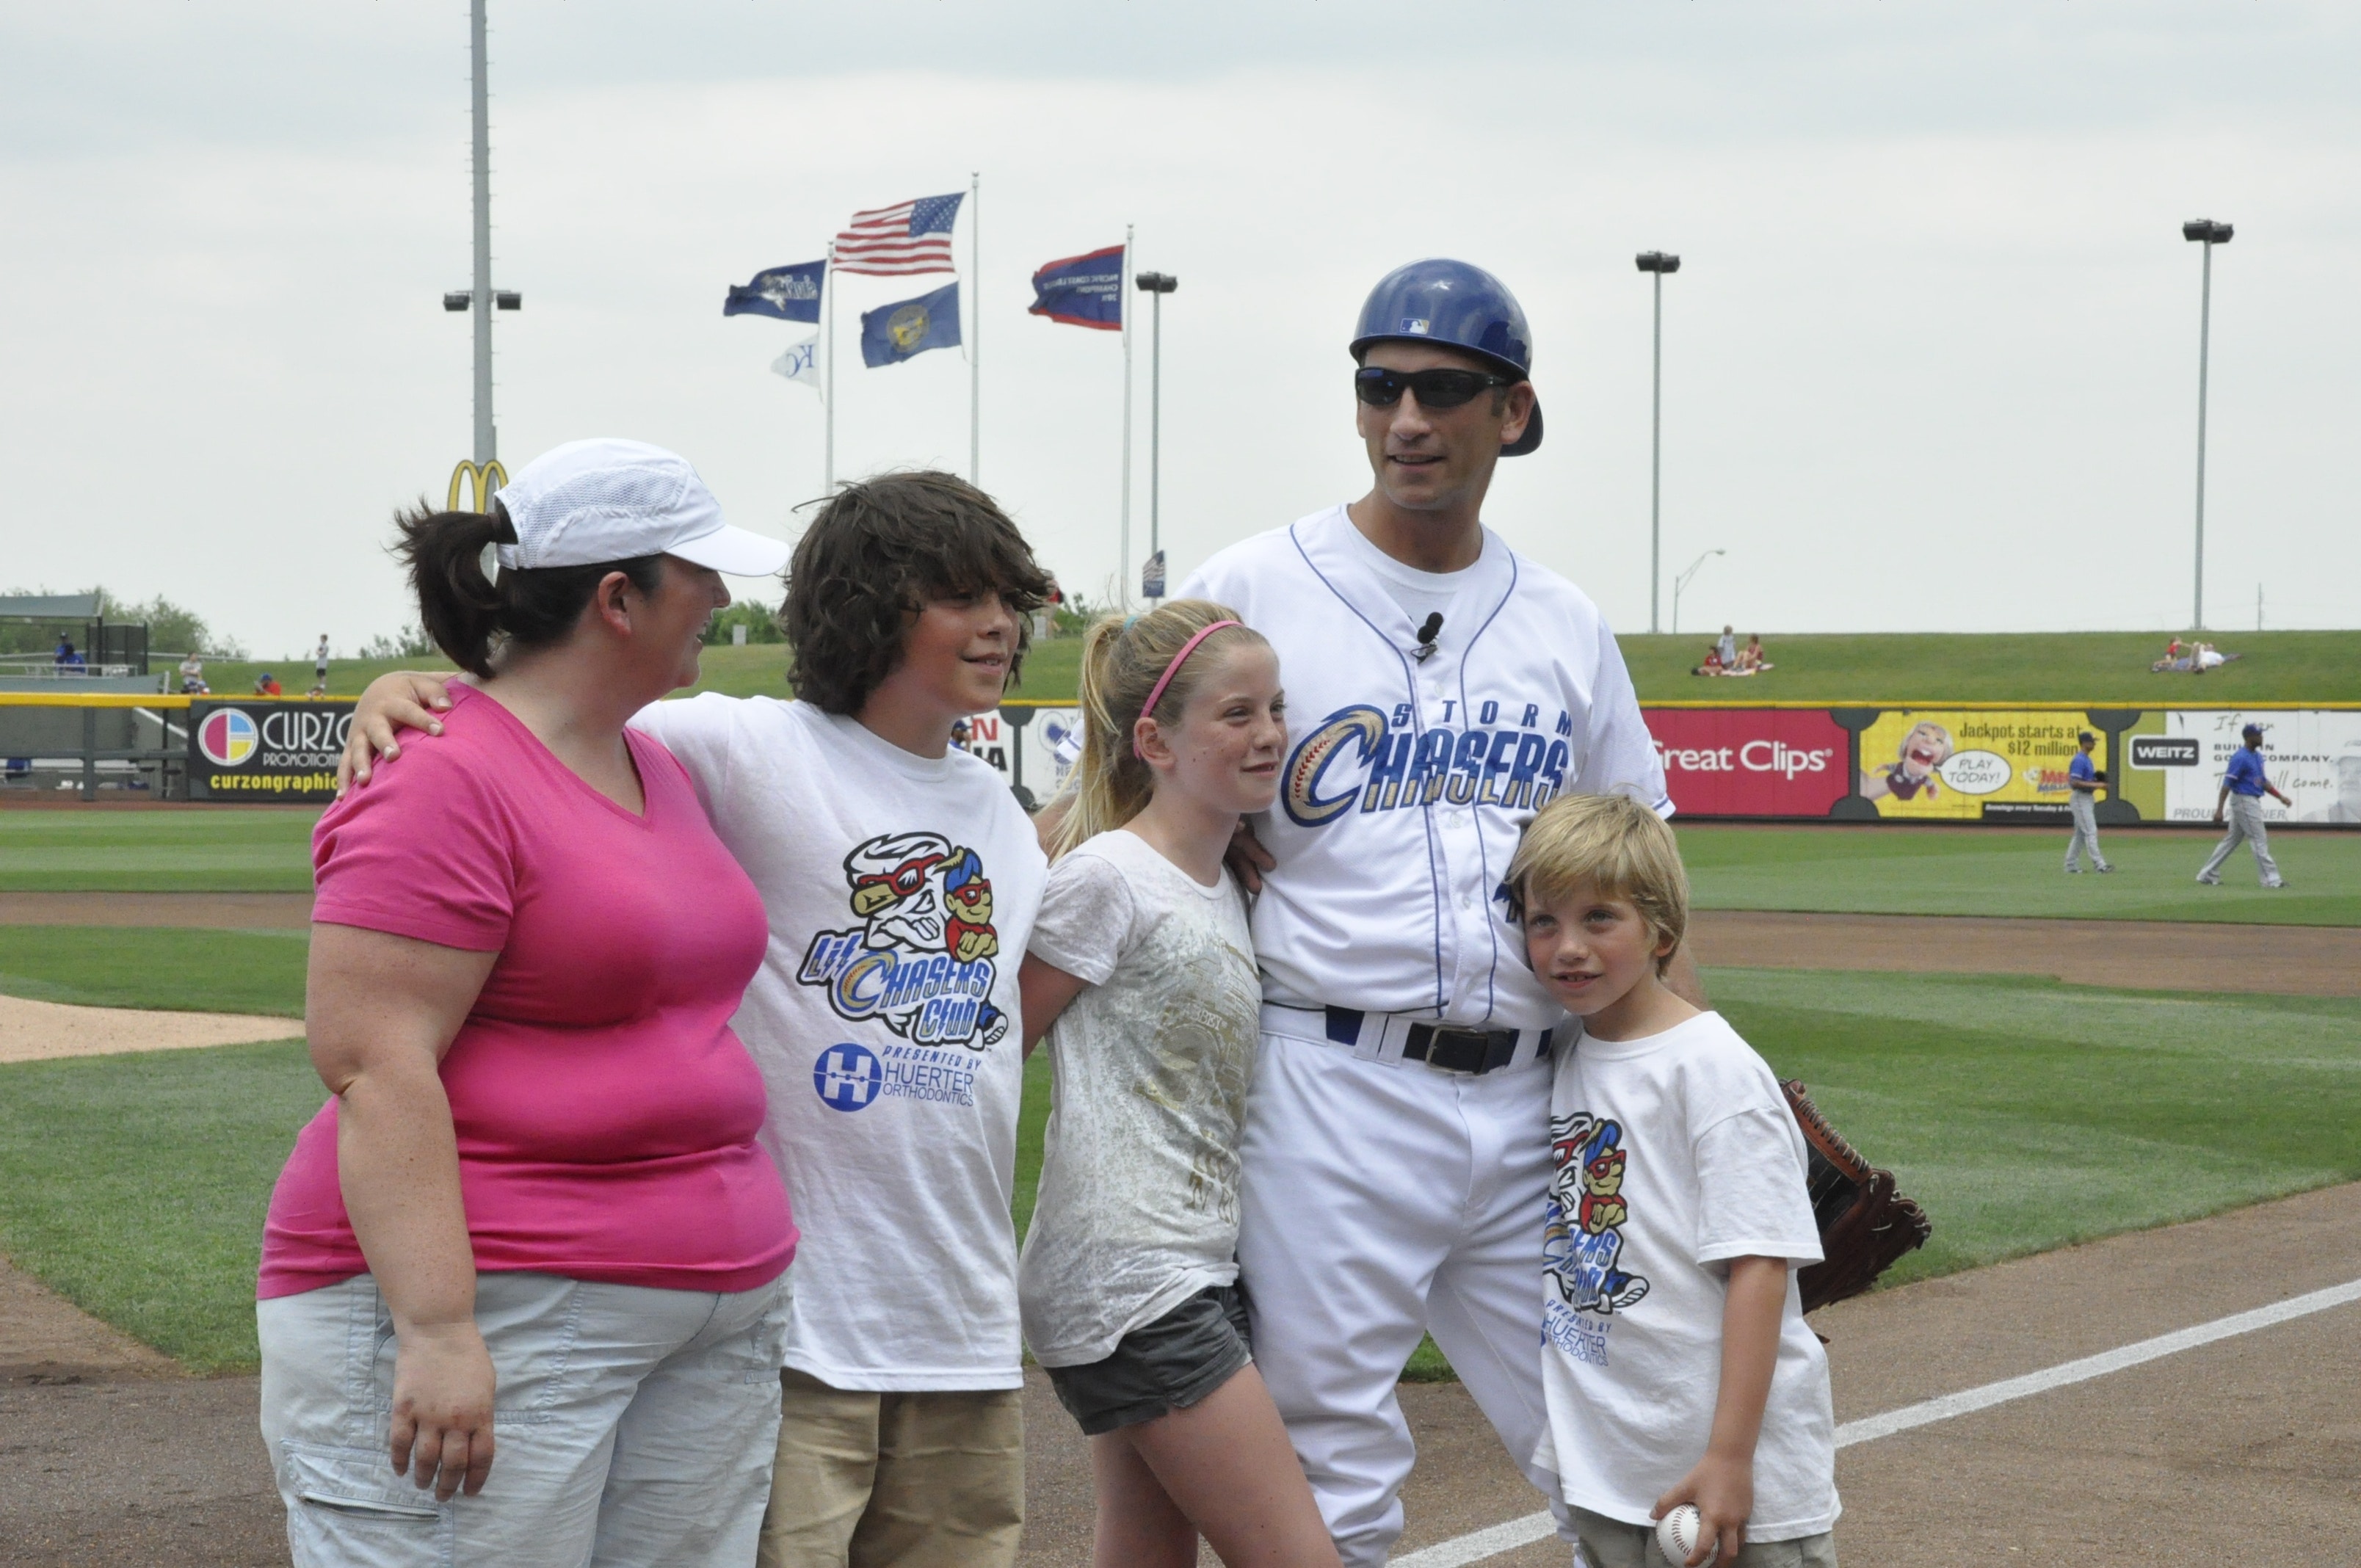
(482, 298)
(1156, 285)
(1657, 263)
(2205, 232)
(1683, 581)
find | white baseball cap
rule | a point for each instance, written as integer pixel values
(592, 501)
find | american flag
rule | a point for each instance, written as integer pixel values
(912, 236)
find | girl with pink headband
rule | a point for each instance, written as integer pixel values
(1141, 973)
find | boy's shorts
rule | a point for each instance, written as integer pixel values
(1611, 1543)
(1170, 1365)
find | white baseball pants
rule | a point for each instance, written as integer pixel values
(1380, 1200)
(2086, 833)
(2247, 826)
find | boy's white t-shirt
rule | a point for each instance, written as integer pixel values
(901, 892)
(1138, 1206)
(1672, 1155)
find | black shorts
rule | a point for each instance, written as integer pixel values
(1168, 1365)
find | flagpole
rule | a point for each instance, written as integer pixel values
(828, 286)
(975, 328)
(1122, 554)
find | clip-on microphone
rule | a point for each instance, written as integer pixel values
(1426, 636)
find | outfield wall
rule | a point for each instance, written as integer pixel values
(1964, 763)
(1978, 763)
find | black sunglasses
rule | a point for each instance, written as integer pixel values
(1440, 388)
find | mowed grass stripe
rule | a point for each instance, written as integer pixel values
(172, 967)
(2023, 1114)
(1973, 871)
(135, 1186)
(216, 850)
(2026, 1114)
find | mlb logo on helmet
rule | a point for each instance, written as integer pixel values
(227, 736)
(1415, 325)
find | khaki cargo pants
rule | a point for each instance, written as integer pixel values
(926, 1480)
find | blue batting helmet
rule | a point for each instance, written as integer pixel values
(1460, 306)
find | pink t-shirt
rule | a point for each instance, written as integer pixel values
(606, 1114)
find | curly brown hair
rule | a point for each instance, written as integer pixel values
(877, 552)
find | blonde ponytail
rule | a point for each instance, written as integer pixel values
(1122, 658)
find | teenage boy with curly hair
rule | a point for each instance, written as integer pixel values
(901, 879)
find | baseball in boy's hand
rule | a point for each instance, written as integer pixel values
(1677, 1533)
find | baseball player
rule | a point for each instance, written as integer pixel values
(2242, 788)
(2082, 782)
(1441, 689)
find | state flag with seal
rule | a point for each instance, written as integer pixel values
(890, 333)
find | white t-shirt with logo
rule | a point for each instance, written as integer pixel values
(1672, 1155)
(901, 892)
(1139, 1208)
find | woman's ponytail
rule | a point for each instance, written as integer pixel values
(457, 603)
(1122, 658)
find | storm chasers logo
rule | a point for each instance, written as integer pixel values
(922, 960)
(1359, 755)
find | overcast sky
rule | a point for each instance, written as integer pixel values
(1930, 361)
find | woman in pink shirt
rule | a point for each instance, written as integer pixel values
(530, 1251)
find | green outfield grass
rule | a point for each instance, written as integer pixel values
(136, 1186)
(2109, 667)
(1867, 869)
(235, 678)
(2023, 1114)
(176, 968)
(1977, 871)
(225, 849)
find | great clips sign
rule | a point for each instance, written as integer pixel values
(1725, 761)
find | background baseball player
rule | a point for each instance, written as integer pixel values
(2082, 782)
(1441, 689)
(2242, 788)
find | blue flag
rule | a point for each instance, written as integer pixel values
(790, 293)
(890, 333)
(1082, 291)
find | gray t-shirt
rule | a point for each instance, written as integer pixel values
(1138, 1207)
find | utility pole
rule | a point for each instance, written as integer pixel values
(1122, 553)
(1656, 263)
(2208, 232)
(1156, 285)
(480, 296)
(975, 328)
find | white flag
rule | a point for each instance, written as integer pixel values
(801, 362)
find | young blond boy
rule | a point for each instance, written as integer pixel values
(901, 879)
(1677, 1367)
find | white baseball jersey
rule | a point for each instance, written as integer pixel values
(1408, 780)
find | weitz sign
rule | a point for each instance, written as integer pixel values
(1750, 762)
(266, 750)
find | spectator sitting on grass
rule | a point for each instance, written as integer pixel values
(1712, 665)
(1751, 658)
(267, 685)
(193, 677)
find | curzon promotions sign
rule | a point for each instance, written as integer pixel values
(1727, 762)
(262, 751)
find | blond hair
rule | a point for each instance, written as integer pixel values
(1122, 658)
(1617, 846)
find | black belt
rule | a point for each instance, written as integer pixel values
(1444, 1047)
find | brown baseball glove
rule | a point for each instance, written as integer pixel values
(1864, 1223)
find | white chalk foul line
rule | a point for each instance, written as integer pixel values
(1480, 1544)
